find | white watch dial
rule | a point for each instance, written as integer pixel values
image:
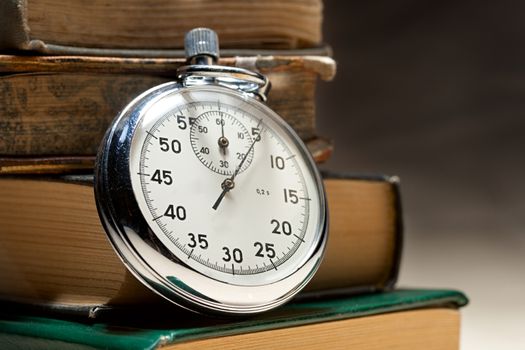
(225, 186)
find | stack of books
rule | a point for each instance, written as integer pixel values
(66, 69)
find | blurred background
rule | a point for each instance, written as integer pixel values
(434, 92)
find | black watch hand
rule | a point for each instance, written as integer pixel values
(223, 141)
(226, 185)
(229, 183)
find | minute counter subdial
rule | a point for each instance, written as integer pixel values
(220, 141)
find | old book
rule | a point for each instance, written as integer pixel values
(54, 249)
(321, 149)
(62, 106)
(403, 319)
(51, 26)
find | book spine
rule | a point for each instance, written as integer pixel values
(399, 227)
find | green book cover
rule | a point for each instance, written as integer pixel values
(26, 331)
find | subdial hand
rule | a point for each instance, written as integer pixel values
(229, 183)
(223, 141)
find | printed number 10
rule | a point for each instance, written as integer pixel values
(277, 162)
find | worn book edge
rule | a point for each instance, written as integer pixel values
(324, 66)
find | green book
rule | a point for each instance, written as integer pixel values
(404, 318)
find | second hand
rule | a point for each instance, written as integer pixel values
(229, 183)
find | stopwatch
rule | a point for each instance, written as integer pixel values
(208, 197)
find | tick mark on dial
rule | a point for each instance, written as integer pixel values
(302, 240)
(150, 134)
(158, 217)
(290, 157)
(191, 252)
(275, 267)
(305, 198)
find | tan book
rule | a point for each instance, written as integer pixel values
(62, 106)
(85, 27)
(55, 251)
(321, 150)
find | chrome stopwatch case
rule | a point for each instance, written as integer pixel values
(209, 198)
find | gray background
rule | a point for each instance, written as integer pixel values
(435, 92)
